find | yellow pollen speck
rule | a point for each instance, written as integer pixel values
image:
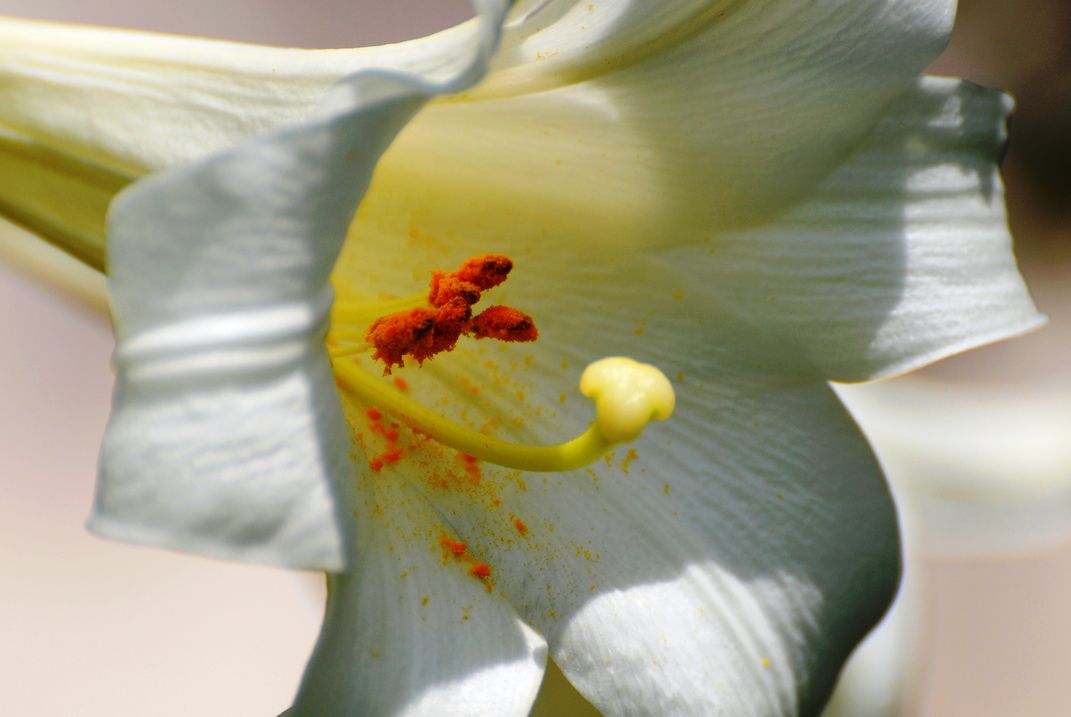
(561, 398)
(557, 163)
(665, 489)
(680, 376)
(678, 295)
(765, 662)
(565, 364)
(424, 602)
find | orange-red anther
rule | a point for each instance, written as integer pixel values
(398, 335)
(423, 332)
(505, 324)
(481, 570)
(446, 287)
(451, 320)
(485, 271)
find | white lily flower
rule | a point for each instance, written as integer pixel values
(755, 197)
(978, 471)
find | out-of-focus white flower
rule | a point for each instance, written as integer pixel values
(755, 197)
(977, 470)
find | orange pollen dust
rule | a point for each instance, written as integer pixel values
(459, 551)
(456, 547)
(393, 451)
(422, 332)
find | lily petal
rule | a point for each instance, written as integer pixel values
(409, 633)
(136, 101)
(730, 562)
(865, 276)
(748, 578)
(88, 110)
(224, 387)
(667, 135)
(616, 73)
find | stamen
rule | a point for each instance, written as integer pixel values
(505, 324)
(487, 271)
(627, 395)
(421, 332)
(446, 287)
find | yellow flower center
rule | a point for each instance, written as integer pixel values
(627, 394)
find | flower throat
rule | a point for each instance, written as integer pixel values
(627, 394)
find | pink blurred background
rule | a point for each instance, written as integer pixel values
(91, 628)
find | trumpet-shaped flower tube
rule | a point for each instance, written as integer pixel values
(754, 197)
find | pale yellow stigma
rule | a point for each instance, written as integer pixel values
(627, 395)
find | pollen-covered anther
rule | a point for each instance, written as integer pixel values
(486, 272)
(397, 335)
(505, 324)
(422, 332)
(447, 287)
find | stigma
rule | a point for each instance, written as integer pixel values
(627, 395)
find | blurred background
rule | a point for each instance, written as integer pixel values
(90, 628)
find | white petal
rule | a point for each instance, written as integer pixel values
(744, 589)
(730, 564)
(88, 110)
(408, 631)
(645, 124)
(227, 436)
(900, 257)
(879, 678)
(136, 101)
(54, 268)
(564, 39)
(650, 116)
